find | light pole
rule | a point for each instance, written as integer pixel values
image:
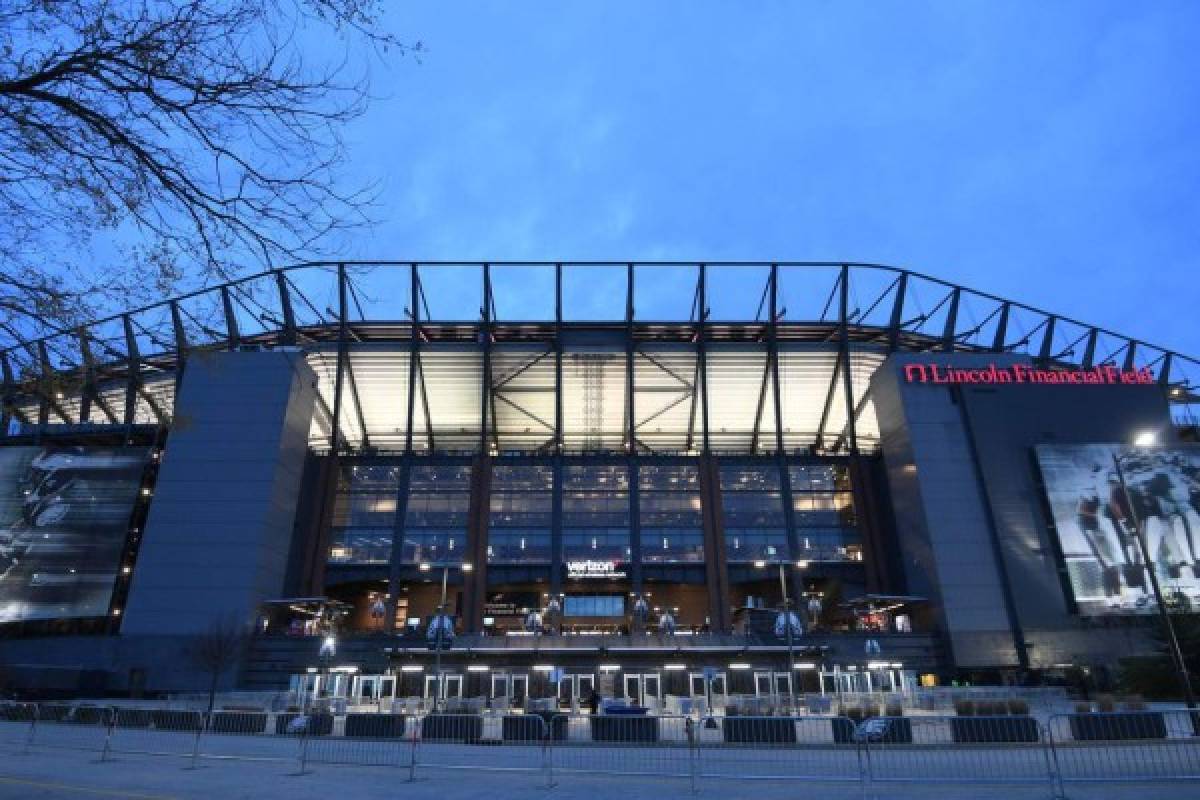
(1139, 533)
(787, 626)
(439, 620)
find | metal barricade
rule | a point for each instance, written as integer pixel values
(153, 731)
(783, 748)
(967, 750)
(369, 740)
(500, 742)
(81, 727)
(618, 744)
(17, 721)
(255, 735)
(1126, 746)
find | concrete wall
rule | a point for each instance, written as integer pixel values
(945, 542)
(969, 510)
(220, 525)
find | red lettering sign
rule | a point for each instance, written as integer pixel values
(992, 374)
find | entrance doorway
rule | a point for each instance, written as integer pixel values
(575, 689)
(700, 688)
(514, 688)
(642, 690)
(377, 689)
(453, 689)
(772, 684)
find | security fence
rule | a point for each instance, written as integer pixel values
(1014, 749)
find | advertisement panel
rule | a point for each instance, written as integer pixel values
(64, 516)
(1097, 516)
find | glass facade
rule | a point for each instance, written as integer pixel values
(520, 515)
(670, 514)
(595, 508)
(752, 503)
(364, 515)
(435, 525)
(826, 525)
(595, 513)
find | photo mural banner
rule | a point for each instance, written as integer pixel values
(1096, 520)
(64, 515)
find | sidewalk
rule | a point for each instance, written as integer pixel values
(61, 774)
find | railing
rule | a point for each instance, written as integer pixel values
(1012, 750)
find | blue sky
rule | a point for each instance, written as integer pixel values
(1048, 152)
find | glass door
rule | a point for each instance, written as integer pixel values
(454, 685)
(520, 689)
(762, 684)
(501, 685)
(783, 685)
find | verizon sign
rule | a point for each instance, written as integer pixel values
(593, 569)
(1020, 373)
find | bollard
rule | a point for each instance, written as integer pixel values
(1057, 791)
(112, 721)
(689, 726)
(416, 738)
(37, 709)
(204, 722)
(304, 746)
(547, 756)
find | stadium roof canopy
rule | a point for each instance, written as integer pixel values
(561, 357)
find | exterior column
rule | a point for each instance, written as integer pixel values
(716, 563)
(475, 582)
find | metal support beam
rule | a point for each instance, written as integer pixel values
(897, 318)
(785, 475)
(1130, 355)
(49, 390)
(231, 324)
(948, 337)
(339, 361)
(1164, 372)
(702, 356)
(635, 496)
(1047, 347)
(844, 347)
(1089, 350)
(486, 404)
(999, 344)
(133, 367)
(288, 334)
(556, 495)
(414, 353)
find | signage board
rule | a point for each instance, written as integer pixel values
(585, 569)
(1024, 374)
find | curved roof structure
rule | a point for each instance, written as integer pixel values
(561, 357)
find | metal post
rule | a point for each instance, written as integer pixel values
(437, 697)
(204, 722)
(37, 710)
(1139, 533)
(787, 624)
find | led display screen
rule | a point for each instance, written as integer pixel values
(1098, 518)
(65, 513)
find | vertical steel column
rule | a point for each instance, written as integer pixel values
(998, 341)
(132, 375)
(340, 361)
(485, 339)
(716, 561)
(285, 307)
(844, 348)
(1164, 372)
(1130, 355)
(7, 392)
(1047, 346)
(556, 502)
(948, 338)
(781, 461)
(88, 389)
(396, 560)
(181, 348)
(897, 319)
(231, 325)
(702, 355)
(1089, 350)
(633, 470)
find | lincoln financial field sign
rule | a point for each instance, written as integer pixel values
(1105, 375)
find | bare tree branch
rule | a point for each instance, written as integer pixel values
(156, 146)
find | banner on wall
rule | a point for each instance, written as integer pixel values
(64, 517)
(1096, 520)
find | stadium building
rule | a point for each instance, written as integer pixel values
(543, 479)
